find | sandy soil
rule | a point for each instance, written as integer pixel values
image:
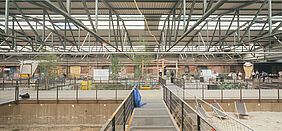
(259, 121)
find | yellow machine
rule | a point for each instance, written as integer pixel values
(86, 85)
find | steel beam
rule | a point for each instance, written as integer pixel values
(190, 15)
(167, 18)
(88, 15)
(119, 18)
(75, 21)
(139, 53)
(207, 14)
(26, 19)
(69, 6)
(252, 22)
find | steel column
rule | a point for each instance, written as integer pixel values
(43, 30)
(7, 16)
(184, 13)
(270, 22)
(96, 15)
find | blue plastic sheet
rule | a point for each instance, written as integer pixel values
(137, 98)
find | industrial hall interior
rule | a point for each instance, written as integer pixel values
(140, 65)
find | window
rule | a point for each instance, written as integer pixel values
(232, 68)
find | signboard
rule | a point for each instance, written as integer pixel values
(75, 71)
(101, 74)
(208, 74)
(6, 69)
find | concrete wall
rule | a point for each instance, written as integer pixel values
(58, 115)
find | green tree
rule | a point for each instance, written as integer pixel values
(48, 66)
(116, 66)
(141, 60)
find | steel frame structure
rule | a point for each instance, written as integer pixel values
(198, 27)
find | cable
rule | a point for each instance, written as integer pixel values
(145, 22)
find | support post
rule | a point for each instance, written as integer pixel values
(259, 94)
(184, 14)
(114, 124)
(238, 27)
(76, 88)
(17, 92)
(270, 17)
(116, 92)
(203, 92)
(43, 30)
(7, 16)
(170, 102)
(57, 95)
(182, 116)
(278, 95)
(96, 15)
(37, 91)
(270, 22)
(198, 123)
(3, 84)
(124, 117)
(183, 88)
(240, 93)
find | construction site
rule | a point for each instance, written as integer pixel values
(140, 65)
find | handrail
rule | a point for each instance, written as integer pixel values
(197, 98)
(245, 125)
(126, 111)
(184, 106)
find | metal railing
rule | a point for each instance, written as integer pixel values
(69, 89)
(185, 116)
(229, 124)
(238, 93)
(121, 116)
(180, 82)
(162, 81)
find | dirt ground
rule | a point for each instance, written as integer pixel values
(259, 121)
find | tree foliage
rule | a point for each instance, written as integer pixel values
(48, 65)
(138, 59)
(116, 66)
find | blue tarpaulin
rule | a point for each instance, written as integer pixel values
(137, 98)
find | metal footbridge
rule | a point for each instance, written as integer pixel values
(169, 113)
(153, 116)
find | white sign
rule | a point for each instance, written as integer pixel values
(101, 74)
(6, 69)
(208, 74)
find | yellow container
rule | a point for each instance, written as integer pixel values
(145, 88)
(83, 87)
(24, 75)
(85, 83)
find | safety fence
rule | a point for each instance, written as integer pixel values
(121, 116)
(66, 89)
(227, 91)
(189, 119)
